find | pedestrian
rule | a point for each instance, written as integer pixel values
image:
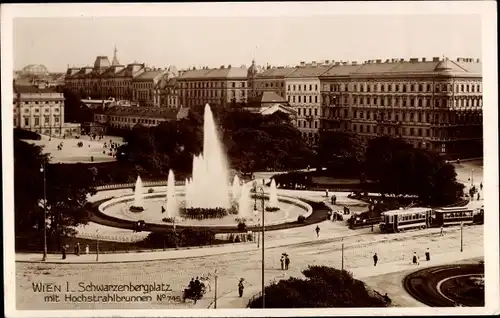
(64, 252)
(375, 259)
(282, 261)
(241, 287)
(334, 199)
(317, 230)
(287, 262)
(77, 249)
(481, 186)
(442, 230)
(329, 215)
(478, 196)
(326, 195)
(427, 255)
(87, 249)
(415, 258)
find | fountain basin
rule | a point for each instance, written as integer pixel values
(118, 208)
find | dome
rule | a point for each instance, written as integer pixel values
(252, 70)
(444, 66)
(101, 62)
(35, 70)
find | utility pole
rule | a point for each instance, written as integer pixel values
(215, 296)
(342, 254)
(263, 231)
(97, 246)
(461, 236)
(42, 169)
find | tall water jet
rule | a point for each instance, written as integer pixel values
(236, 188)
(172, 208)
(244, 202)
(209, 185)
(138, 196)
(273, 195)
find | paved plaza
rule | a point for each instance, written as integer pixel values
(71, 153)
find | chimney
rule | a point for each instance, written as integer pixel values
(402, 60)
(354, 62)
(327, 62)
(229, 66)
(424, 59)
(379, 61)
(222, 67)
(337, 63)
(413, 60)
(478, 60)
(313, 63)
(302, 63)
(435, 59)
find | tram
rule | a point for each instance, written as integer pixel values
(453, 216)
(412, 218)
(419, 218)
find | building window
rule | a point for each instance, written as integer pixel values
(26, 121)
(315, 99)
(37, 121)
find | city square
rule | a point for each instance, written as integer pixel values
(350, 183)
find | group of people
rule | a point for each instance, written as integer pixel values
(285, 261)
(415, 260)
(77, 249)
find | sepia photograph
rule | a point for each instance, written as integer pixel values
(204, 159)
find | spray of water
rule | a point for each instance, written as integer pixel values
(138, 193)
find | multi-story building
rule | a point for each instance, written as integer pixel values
(433, 104)
(170, 93)
(41, 110)
(134, 82)
(219, 87)
(304, 95)
(272, 79)
(125, 117)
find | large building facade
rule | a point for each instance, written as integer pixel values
(41, 110)
(433, 104)
(218, 87)
(135, 82)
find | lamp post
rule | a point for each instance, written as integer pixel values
(342, 254)
(472, 178)
(215, 295)
(97, 245)
(261, 190)
(42, 169)
(461, 236)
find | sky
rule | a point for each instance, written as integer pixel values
(214, 41)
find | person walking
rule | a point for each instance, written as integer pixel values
(326, 193)
(481, 186)
(415, 258)
(334, 199)
(282, 261)
(241, 287)
(317, 230)
(427, 255)
(478, 196)
(87, 249)
(375, 259)
(287, 262)
(64, 252)
(442, 228)
(77, 249)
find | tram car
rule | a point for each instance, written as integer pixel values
(415, 218)
(454, 216)
(404, 219)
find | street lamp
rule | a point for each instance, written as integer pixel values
(261, 190)
(42, 169)
(97, 245)
(215, 294)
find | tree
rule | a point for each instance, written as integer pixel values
(341, 153)
(398, 168)
(67, 187)
(323, 287)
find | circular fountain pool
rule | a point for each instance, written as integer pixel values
(119, 208)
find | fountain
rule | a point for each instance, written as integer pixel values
(172, 208)
(273, 197)
(138, 196)
(244, 202)
(209, 184)
(236, 188)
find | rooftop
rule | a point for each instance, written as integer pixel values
(277, 72)
(144, 112)
(223, 72)
(30, 89)
(150, 75)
